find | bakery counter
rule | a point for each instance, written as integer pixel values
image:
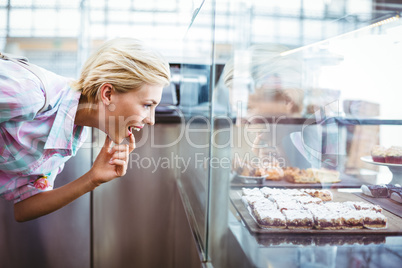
(310, 246)
(317, 248)
(321, 119)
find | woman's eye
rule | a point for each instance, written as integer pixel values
(148, 106)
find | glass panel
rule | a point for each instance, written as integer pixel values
(68, 22)
(120, 5)
(119, 16)
(97, 31)
(3, 20)
(20, 3)
(314, 9)
(95, 4)
(42, 19)
(19, 25)
(144, 5)
(300, 92)
(142, 17)
(69, 4)
(359, 6)
(44, 3)
(195, 105)
(97, 16)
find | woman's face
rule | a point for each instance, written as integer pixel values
(130, 111)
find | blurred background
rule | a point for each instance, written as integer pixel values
(347, 51)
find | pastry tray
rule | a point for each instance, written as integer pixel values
(319, 239)
(386, 203)
(347, 181)
(394, 222)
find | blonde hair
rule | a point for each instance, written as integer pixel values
(126, 64)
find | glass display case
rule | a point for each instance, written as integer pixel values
(284, 104)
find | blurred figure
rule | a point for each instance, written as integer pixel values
(272, 81)
(260, 82)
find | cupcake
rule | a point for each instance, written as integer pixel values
(393, 155)
(378, 153)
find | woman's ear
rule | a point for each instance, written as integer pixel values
(106, 92)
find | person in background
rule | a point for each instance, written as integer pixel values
(274, 81)
(273, 90)
(119, 87)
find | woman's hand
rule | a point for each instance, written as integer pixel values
(256, 147)
(262, 149)
(112, 161)
(110, 164)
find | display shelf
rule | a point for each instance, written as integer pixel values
(347, 181)
(396, 169)
(310, 102)
(393, 228)
(284, 119)
(386, 203)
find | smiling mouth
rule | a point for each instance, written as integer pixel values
(131, 129)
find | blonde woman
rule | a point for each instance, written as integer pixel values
(119, 87)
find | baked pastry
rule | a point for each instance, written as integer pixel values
(375, 190)
(363, 206)
(378, 153)
(313, 206)
(298, 219)
(264, 203)
(293, 192)
(393, 155)
(308, 199)
(253, 191)
(257, 169)
(269, 218)
(267, 191)
(382, 190)
(324, 175)
(284, 204)
(284, 201)
(250, 200)
(393, 188)
(374, 220)
(326, 219)
(352, 219)
(296, 175)
(301, 209)
(274, 173)
(339, 207)
(397, 196)
(244, 168)
(324, 195)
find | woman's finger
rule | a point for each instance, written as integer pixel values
(117, 162)
(121, 155)
(131, 145)
(118, 148)
(108, 143)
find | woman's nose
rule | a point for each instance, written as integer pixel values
(150, 119)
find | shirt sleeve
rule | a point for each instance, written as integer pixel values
(21, 188)
(21, 95)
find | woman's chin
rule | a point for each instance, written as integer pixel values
(116, 139)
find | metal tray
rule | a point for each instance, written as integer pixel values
(394, 222)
